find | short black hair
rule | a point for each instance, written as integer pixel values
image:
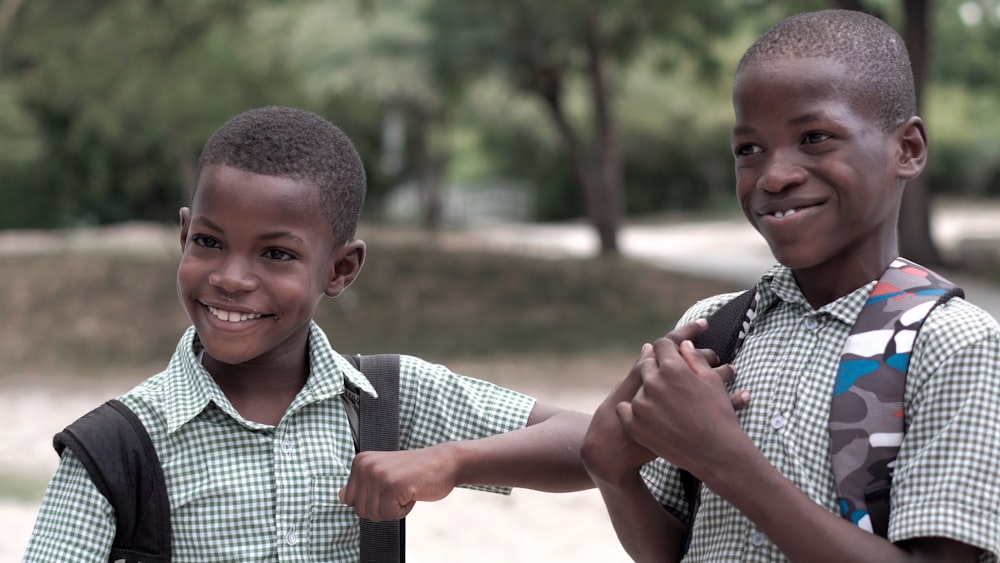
(300, 145)
(869, 48)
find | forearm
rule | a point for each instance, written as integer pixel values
(805, 531)
(645, 529)
(545, 455)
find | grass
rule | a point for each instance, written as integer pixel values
(82, 312)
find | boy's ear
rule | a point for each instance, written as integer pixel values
(347, 262)
(912, 148)
(185, 225)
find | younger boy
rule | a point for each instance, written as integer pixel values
(247, 418)
(826, 138)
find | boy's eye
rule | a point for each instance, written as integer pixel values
(814, 137)
(205, 241)
(747, 150)
(278, 254)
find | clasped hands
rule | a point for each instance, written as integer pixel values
(672, 404)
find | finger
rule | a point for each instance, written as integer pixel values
(711, 358)
(726, 373)
(628, 387)
(740, 400)
(624, 412)
(687, 331)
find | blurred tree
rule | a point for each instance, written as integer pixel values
(373, 54)
(567, 53)
(122, 94)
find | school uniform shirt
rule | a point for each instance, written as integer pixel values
(947, 479)
(243, 491)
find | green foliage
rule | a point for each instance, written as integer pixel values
(104, 105)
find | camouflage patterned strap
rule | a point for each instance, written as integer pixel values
(866, 415)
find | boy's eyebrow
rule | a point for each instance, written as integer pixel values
(804, 118)
(275, 235)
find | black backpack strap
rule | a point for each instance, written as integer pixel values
(381, 542)
(727, 327)
(113, 445)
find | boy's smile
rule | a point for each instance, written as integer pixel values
(258, 256)
(816, 174)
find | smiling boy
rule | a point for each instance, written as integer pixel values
(248, 419)
(825, 139)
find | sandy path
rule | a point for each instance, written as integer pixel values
(467, 526)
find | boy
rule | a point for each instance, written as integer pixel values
(825, 139)
(248, 420)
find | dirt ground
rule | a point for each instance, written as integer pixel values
(467, 526)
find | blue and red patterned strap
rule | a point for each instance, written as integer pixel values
(866, 415)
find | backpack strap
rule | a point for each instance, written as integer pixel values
(113, 445)
(381, 542)
(866, 413)
(727, 329)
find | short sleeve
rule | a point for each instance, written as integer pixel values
(75, 522)
(438, 405)
(947, 480)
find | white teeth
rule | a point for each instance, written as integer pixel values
(780, 214)
(232, 316)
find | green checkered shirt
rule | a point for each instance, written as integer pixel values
(947, 479)
(243, 491)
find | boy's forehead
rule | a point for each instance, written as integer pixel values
(800, 79)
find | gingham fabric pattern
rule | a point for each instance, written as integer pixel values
(242, 491)
(947, 480)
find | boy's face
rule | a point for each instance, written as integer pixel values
(258, 256)
(815, 175)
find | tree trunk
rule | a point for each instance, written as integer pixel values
(609, 200)
(915, 240)
(548, 86)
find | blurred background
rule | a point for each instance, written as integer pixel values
(476, 119)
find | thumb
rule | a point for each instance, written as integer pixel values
(624, 412)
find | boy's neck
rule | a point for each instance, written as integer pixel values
(821, 286)
(260, 392)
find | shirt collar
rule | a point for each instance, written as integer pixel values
(190, 388)
(779, 285)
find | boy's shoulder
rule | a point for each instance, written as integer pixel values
(959, 323)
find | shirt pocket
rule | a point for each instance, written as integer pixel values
(333, 526)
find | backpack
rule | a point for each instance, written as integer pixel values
(870, 381)
(113, 445)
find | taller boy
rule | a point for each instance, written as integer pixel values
(825, 139)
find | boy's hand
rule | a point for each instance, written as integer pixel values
(682, 411)
(608, 452)
(386, 485)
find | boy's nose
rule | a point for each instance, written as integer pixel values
(234, 275)
(781, 172)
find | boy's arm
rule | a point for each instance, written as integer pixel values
(614, 459)
(544, 455)
(709, 442)
(75, 521)
(645, 529)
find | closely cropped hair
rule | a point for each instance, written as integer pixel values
(870, 49)
(300, 145)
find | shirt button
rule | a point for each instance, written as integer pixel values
(812, 323)
(291, 538)
(757, 539)
(286, 445)
(778, 421)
